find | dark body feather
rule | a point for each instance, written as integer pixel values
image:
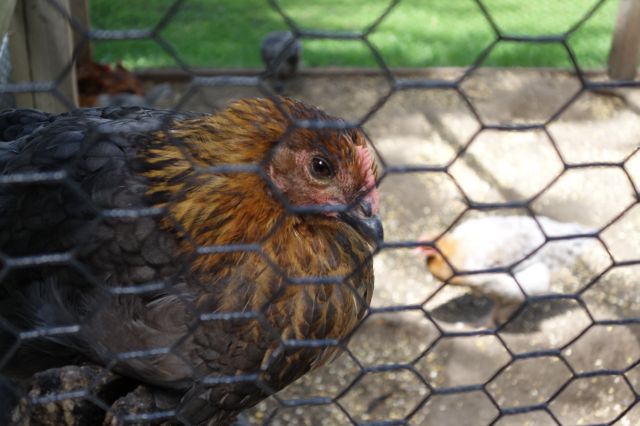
(91, 158)
(105, 226)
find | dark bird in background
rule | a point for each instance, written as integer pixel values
(133, 229)
(281, 54)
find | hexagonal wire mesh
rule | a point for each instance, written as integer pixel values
(562, 343)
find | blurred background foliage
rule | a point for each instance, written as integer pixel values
(416, 33)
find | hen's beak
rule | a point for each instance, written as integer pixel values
(362, 219)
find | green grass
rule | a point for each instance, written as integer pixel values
(417, 33)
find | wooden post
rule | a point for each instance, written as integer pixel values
(43, 50)
(19, 48)
(80, 12)
(6, 12)
(625, 47)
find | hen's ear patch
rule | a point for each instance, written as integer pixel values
(366, 165)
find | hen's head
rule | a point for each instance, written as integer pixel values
(323, 168)
(312, 165)
(330, 171)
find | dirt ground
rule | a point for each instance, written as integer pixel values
(428, 128)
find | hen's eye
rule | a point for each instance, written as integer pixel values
(321, 168)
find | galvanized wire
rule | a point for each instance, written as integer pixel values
(395, 84)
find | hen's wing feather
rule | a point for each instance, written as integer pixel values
(59, 174)
(95, 150)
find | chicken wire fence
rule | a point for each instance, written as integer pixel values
(421, 354)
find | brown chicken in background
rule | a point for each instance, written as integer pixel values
(169, 232)
(96, 79)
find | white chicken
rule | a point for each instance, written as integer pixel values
(491, 242)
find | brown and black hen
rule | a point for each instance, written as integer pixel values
(185, 251)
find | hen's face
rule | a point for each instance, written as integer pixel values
(329, 169)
